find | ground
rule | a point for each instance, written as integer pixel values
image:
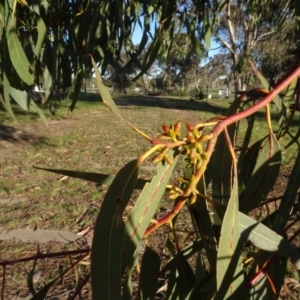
(58, 211)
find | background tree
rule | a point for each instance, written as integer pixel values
(181, 61)
(246, 28)
(216, 68)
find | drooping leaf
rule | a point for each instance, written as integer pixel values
(144, 209)
(77, 85)
(149, 275)
(42, 30)
(6, 101)
(181, 279)
(99, 178)
(172, 293)
(202, 220)
(266, 239)
(266, 85)
(104, 92)
(205, 288)
(229, 265)
(16, 51)
(106, 253)
(22, 98)
(249, 161)
(187, 252)
(186, 279)
(289, 197)
(42, 293)
(127, 287)
(35, 108)
(264, 175)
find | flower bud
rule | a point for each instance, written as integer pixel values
(158, 158)
(168, 159)
(189, 126)
(165, 128)
(173, 195)
(177, 127)
(190, 137)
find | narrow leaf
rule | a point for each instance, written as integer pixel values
(42, 30)
(104, 92)
(266, 239)
(21, 97)
(127, 288)
(16, 52)
(144, 209)
(42, 293)
(289, 197)
(264, 175)
(109, 231)
(149, 275)
(187, 252)
(229, 266)
(249, 161)
(266, 85)
(185, 278)
(99, 178)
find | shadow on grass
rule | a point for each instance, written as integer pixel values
(216, 106)
(13, 135)
(161, 102)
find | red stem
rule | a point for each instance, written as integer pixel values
(215, 133)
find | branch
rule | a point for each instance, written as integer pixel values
(230, 27)
(261, 36)
(225, 43)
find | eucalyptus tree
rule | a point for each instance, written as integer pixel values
(50, 41)
(247, 28)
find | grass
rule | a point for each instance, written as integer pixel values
(88, 139)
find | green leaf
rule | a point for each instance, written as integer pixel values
(100, 178)
(21, 97)
(249, 161)
(264, 175)
(266, 85)
(104, 92)
(106, 253)
(149, 275)
(42, 30)
(220, 169)
(267, 239)
(127, 287)
(205, 288)
(16, 52)
(42, 293)
(187, 252)
(181, 279)
(185, 276)
(145, 208)
(172, 293)
(202, 220)
(35, 108)
(6, 101)
(289, 197)
(229, 265)
(77, 85)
